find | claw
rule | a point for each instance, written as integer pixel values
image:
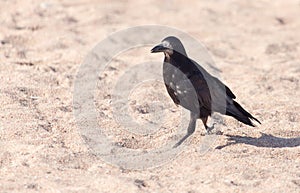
(209, 129)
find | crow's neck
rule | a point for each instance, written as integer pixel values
(177, 59)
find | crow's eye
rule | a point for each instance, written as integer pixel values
(167, 44)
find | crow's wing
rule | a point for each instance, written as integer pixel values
(180, 87)
(229, 93)
(194, 88)
(171, 92)
(200, 86)
(211, 91)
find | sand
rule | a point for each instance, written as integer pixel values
(43, 148)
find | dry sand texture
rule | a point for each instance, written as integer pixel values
(255, 44)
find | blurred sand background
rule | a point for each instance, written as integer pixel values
(255, 44)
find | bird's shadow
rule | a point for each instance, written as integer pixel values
(265, 140)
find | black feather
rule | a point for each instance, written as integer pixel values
(192, 87)
(237, 111)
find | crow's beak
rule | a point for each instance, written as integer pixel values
(158, 48)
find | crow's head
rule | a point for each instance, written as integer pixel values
(170, 45)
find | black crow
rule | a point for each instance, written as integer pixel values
(193, 88)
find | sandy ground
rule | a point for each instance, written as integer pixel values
(255, 44)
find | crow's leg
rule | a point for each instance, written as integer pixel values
(190, 129)
(208, 129)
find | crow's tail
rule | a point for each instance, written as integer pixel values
(238, 112)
